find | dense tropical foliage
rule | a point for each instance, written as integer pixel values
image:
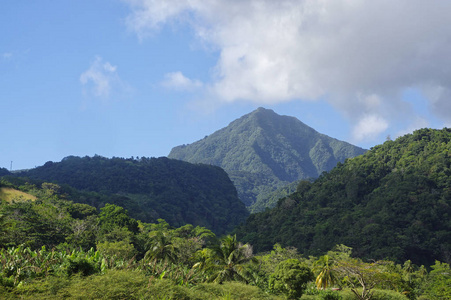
(53, 248)
(150, 188)
(393, 202)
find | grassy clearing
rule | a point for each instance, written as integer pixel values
(10, 194)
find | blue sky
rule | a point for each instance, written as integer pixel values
(138, 77)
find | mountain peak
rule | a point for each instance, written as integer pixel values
(262, 151)
(265, 113)
(262, 110)
(269, 121)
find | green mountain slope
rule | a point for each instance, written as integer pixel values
(392, 202)
(263, 151)
(270, 200)
(152, 188)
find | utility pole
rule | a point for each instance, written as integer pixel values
(11, 167)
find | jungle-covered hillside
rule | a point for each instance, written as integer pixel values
(392, 202)
(150, 188)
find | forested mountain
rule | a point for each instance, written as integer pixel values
(263, 151)
(392, 202)
(151, 188)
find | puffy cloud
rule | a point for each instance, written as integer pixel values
(369, 126)
(100, 79)
(359, 55)
(149, 15)
(178, 81)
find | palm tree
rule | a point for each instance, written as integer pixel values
(228, 260)
(161, 247)
(326, 274)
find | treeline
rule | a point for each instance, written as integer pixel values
(52, 248)
(393, 202)
(4, 172)
(150, 189)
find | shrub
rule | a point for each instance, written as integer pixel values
(388, 295)
(230, 290)
(329, 295)
(290, 278)
(166, 289)
(119, 249)
(5, 294)
(346, 294)
(423, 297)
(114, 284)
(81, 265)
(309, 297)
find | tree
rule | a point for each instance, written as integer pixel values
(112, 216)
(189, 240)
(326, 275)
(50, 189)
(83, 233)
(290, 278)
(268, 262)
(117, 250)
(161, 247)
(228, 260)
(438, 285)
(358, 274)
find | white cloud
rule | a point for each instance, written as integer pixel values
(150, 15)
(100, 79)
(178, 81)
(359, 55)
(368, 127)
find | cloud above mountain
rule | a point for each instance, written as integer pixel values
(100, 79)
(178, 81)
(358, 55)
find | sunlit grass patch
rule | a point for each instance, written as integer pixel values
(10, 194)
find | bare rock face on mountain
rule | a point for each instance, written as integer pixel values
(263, 151)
